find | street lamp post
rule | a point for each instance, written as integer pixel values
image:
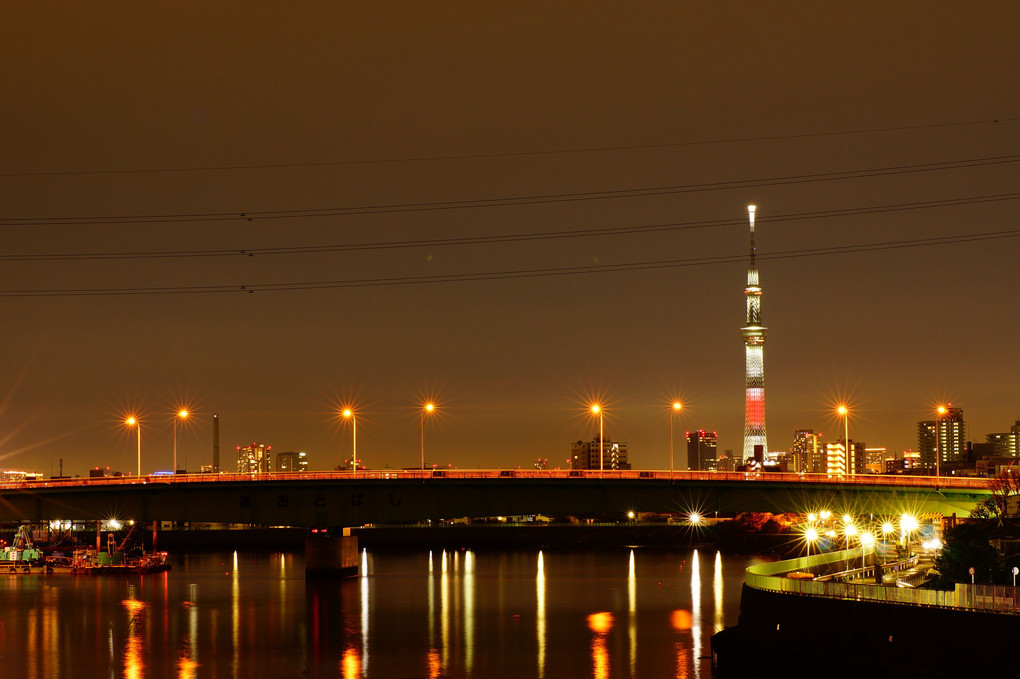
(426, 409)
(677, 406)
(908, 524)
(596, 409)
(867, 540)
(887, 528)
(182, 414)
(132, 421)
(810, 535)
(849, 531)
(939, 412)
(349, 414)
(845, 412)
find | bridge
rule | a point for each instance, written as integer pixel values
(340, 499)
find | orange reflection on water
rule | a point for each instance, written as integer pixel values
(435, 664)
(681, 620)
(133, 664)
(186, 668)
(350, 665)
(600, 624)
(682, 661)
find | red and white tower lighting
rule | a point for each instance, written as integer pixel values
(753, 333)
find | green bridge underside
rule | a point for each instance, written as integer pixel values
(322, 503)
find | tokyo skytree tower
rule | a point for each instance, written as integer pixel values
(753, 333)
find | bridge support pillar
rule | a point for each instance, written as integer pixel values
(331, 556)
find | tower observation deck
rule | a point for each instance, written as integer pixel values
(753, 334)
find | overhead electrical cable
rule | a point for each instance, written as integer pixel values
(529, 199)
(506, 238)
(509, 274)
(509, 154)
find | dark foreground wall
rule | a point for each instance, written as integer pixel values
(786, 635)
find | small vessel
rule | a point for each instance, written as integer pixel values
(128, 557)
(22, 557)
(91, 562)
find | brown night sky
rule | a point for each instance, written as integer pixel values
(367, 142)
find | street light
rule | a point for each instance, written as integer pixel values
(427, 409)
(845, 413)
(887, 528)
(596, 409)
(867, 540)
(849, 531)
(132, 421)
(908, 524)
(939, 412)
(810, 535)
(677, 407)
(349, 414)
(181, 414)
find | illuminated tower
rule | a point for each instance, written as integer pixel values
(754, 359)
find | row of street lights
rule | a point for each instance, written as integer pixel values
(348, 414)
(596, 409)
(908, 524)
(427, 408)
(844, 411)
(133, 421)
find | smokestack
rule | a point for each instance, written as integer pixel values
(216, 443)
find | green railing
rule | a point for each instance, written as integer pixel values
(774, 577)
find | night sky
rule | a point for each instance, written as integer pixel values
(255, 209)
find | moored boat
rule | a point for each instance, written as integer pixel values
(90, 562)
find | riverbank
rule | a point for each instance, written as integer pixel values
(794, 637)
(496, 535)
(451, 536)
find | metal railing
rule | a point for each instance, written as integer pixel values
(509, 475)
(773, 577)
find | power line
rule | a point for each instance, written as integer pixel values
(532, 199)
(506, 238)
(508, 274)
(508, 154)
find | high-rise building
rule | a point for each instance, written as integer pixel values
(702, 453)
(857, 449)
(753, 332)
(291, 461)
(585, 455)
(254, 459)
(1006, 444)
(945, 437)
(874, 460)
(726, 462)
(837, 463)
(807, 454)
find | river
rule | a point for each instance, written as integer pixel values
(464, 613)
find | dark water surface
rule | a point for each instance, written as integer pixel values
(466, 613)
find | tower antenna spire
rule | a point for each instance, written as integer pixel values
(750, 216)
(753, 333)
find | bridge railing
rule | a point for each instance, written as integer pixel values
(510, 474)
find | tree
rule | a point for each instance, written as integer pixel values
(966, 546)
(1005, 484)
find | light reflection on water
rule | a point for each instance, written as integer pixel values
(486, 614)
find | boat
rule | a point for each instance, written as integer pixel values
(91, 562)
(22, 557)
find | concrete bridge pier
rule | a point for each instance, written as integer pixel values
(332, 554)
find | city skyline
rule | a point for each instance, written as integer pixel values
(514, 214)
